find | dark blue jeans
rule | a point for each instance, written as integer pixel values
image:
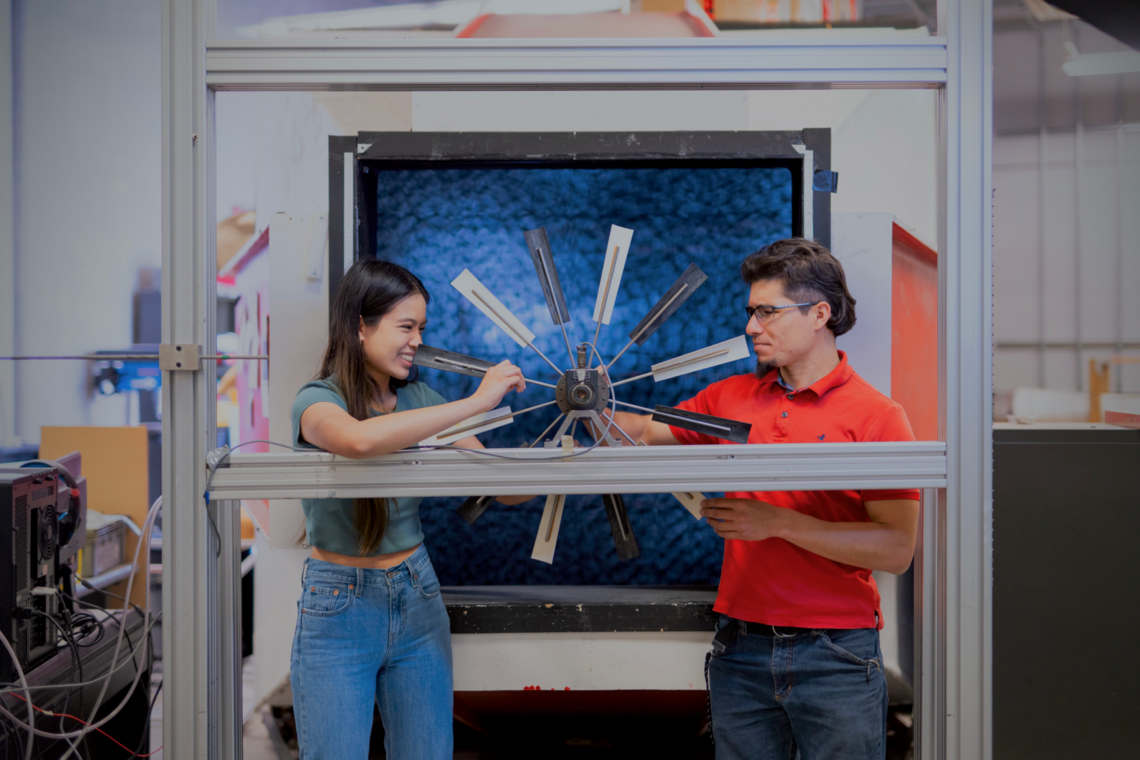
(814, 696)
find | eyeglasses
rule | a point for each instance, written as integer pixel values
(764, 313)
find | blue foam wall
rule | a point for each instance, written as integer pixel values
(438, 222)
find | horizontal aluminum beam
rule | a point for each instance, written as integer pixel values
(548, 64)
(660, 469)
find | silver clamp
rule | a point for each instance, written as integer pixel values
(179, 357)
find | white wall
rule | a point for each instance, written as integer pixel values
(862, 243)
(7, 233)
(1073, 238)
(577, 111)
(273, 157)
(883, 144)
(89, 191)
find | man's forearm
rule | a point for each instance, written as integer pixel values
(872, 545)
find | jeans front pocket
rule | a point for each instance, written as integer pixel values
(426, 581)
(857, 639)
(326, 598)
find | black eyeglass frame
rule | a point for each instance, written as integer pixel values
(751, 311)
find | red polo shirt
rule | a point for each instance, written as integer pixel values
(774, 581)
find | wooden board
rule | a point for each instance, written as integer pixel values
(115, 465)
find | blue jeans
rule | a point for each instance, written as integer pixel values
(815, 696)
(367, 635)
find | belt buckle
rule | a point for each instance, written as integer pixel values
(777, 634)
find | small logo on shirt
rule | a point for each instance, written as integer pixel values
(821, 437)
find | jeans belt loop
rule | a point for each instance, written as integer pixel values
(743, 626)
(359, 582)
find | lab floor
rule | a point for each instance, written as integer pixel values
(262, 740)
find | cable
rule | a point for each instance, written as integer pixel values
(75, 661)
(120, 621)
(103, 591)
(31, 724)
(124, 663)
(90, 727)
(148, 527)
(149, 712)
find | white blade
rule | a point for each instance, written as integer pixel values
(547, 536)
(710, 356)
(691, 500)
(616, 252)
(477, 293)
(480, 423)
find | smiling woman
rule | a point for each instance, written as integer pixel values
(368, 556)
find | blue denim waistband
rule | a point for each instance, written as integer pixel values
(366, 576)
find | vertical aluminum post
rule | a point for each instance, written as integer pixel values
(228, 628)
(188, 413)
(963, 646)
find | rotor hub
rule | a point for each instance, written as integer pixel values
(582, 389)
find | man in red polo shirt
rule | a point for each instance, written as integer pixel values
(796, 663)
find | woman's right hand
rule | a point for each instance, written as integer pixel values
(497, 382)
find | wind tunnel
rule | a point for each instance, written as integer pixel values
(564, 636)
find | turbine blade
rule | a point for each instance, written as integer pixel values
(480, 423)
(485, 301)
(547, 537)
(717, 427)
(539, 247)
(710, 356)
(687, 284)
(624, 539)
(473, 508)
(690, 500)
(449, 361)
(617, 249)
(461, 364)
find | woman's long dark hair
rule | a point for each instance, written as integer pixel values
(370, 289)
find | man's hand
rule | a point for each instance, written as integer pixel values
(744, 519)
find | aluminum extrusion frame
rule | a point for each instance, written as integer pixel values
(546, 64)
(953, 677)
(628, 469)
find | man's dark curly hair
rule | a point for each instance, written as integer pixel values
(809, 273)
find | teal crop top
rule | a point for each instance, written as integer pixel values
(328, 522)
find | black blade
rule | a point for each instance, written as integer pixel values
(687, 284)
(449, 361)
(624, 539)
(539, 248)
(718, 427)
(474, 507)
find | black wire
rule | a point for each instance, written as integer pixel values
(84, 624)
(149, 711)
(15, 733)
(121, 620)
(75, 643)
(105, 593)
(76, 663)
(16, 688)
(74, 653)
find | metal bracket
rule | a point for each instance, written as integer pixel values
(825, 182)
(179, 357)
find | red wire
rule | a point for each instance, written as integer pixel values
(65, 715)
